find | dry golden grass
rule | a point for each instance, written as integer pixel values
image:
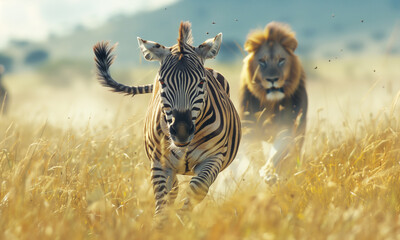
(72, 166)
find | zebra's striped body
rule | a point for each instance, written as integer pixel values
(212, 149)
(191, 126)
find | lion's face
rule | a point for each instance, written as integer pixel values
(272, 66)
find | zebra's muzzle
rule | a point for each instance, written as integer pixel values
(181, 145)
(182, 130)
(182, 133)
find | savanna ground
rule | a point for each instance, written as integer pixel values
(72, 163)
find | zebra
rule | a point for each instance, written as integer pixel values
(3, 93)
(191, 126)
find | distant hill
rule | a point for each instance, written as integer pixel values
(323, 28)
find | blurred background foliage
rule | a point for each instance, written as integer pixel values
(325, 30)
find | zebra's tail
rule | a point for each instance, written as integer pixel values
(104, 58)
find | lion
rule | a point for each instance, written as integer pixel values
(273, 96)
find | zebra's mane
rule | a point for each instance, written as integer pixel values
(185, 36)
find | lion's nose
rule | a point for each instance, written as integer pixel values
(272, 80)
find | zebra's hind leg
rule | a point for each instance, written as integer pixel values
(206, 173)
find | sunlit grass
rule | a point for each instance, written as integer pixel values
(72, 166)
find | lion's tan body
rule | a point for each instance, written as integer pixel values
(273, 97)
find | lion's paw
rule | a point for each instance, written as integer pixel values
(269, 177)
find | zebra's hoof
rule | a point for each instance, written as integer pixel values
(183, 217)
(159, 222)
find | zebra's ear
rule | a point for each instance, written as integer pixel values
(210, 48)
(153, 51)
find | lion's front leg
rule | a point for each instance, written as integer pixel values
(281, 148)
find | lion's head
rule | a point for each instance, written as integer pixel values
(273, 70)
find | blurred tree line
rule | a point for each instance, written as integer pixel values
(22, 53)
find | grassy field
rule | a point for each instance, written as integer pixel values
(72, 164)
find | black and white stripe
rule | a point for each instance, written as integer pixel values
(103, 60)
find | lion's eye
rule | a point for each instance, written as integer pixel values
(262, 63)
(281, 62)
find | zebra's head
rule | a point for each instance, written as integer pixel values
(183, 81)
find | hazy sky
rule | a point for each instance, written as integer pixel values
(36, 19)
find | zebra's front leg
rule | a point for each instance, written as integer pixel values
(206, 173)
(173, 193)
(163, 180)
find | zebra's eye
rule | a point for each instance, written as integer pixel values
(201, 83)
(281, 62)
(262, 63)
